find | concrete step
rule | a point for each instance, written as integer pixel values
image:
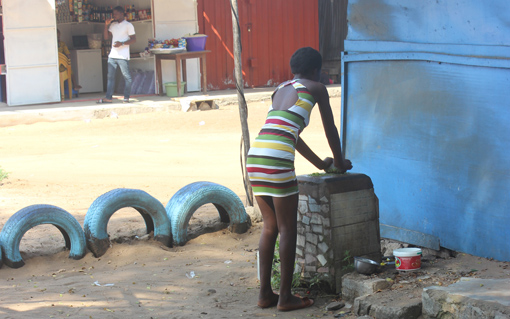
(87, 109)
(372, 296)
(469, 298)
(355, 285)
(394, 305)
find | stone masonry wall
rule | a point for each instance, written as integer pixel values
(313, 250)
(327, 228)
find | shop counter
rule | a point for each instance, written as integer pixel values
(180, 68)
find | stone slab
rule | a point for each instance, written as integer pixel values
(355, 285)
(405, 307)
(469, 298)
(340, 183)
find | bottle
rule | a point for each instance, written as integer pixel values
(128, 13)
(133, 13)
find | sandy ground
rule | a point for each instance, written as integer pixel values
(70, 164)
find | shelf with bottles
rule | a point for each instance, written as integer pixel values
(100, 23)
(80, 11)
(103, 13)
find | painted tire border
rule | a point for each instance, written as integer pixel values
(27, 218)
(188, 199)
(101, 210)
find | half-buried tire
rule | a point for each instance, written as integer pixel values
(188, 199)
(99, 213)
(31, 216)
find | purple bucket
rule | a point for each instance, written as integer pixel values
(195, 43)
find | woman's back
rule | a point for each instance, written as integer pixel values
(287, 96)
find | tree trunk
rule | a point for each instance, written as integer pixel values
(243, 110)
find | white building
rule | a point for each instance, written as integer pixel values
(30, 42)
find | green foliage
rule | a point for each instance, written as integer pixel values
(332, 172)
(3, 174)
(314, 281)
(322, 174)
(275, 271)
(347, 262)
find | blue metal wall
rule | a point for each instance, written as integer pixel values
(426, 114)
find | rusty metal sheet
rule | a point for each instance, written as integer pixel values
(270, 32)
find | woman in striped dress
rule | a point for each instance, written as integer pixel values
(270, 166)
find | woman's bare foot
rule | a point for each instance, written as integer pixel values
(294, 303)
(77, 87)
(270, 300)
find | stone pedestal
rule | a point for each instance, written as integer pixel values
(338, 219)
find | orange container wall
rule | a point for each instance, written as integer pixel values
(271, 30)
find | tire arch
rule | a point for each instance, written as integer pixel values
(29, 217)
(101, 210)
(188, 199)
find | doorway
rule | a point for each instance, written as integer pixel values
(85, 20)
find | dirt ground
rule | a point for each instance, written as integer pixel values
(70, 164)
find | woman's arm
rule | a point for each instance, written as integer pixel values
(330, 129)
(307, 153)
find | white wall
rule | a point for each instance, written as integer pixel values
(30, 52)
(174, 19)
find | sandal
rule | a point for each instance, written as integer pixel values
(305, 303)
(126, 101)
(103, 101)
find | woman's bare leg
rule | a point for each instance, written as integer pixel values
(286, 217)
(267, 298)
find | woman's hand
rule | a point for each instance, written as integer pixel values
(336, 167)
(343, 165)
(327, 162)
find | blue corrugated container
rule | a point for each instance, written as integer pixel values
(425, 113)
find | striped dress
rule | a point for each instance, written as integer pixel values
(270, 161)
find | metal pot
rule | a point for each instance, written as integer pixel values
(365, 266)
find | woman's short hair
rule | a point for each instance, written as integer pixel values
(119, 9)
(305, 60)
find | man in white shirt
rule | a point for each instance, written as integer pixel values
(123, 34)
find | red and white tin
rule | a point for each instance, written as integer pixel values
(407, 258)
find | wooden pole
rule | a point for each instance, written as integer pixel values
(243, 109)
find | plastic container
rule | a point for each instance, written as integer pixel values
(258, 266)
(95, 40)
(171, 89)
(407, 259)
(195, 43)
